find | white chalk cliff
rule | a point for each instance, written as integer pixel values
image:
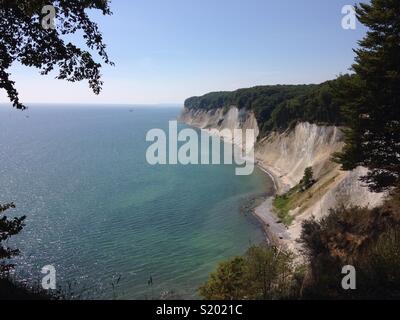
(286, 156)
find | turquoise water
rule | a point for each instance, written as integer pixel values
(98, 212)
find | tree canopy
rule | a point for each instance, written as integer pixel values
(279, 107)
(308, 179)
(8, 228)
(23, 39)
(262, 273)
(372, 99)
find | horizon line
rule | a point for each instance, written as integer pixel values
(98, 104)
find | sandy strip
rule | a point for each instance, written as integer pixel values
(276, 232)
(281, 182)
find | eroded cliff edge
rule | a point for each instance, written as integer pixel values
(285, 155)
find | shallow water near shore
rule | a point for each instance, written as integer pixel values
(106, 219)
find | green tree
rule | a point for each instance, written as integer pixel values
(269, 272)
(308, 179)
(368, 239)
(227, 283)
(372, 107)
(262, 273)
(24, 40)
(8, 228)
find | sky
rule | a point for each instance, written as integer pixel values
(167, 51)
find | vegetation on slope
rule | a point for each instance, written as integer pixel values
(262, 273)
(283, 204)
(367, 239)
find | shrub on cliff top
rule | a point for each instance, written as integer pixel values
(262, 273)
(368, 239)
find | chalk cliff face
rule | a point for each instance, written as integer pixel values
(286, 156)
(222, 122)
(307, 145)
(220, 119)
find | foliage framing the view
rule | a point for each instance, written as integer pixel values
(8, 228)
(24, 40)
(368, 239)
(262, 273)
(372, 101)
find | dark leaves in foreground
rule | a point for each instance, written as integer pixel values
(24, 40)
(8, 228)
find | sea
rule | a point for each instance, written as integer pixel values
(112, 225)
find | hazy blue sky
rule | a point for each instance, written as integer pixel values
(166, 51)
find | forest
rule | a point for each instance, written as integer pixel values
(280, 107)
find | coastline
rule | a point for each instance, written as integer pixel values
(275, 232)
(307, 145)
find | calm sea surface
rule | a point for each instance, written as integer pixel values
(106, 219)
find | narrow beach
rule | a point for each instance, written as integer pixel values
(276, 232)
